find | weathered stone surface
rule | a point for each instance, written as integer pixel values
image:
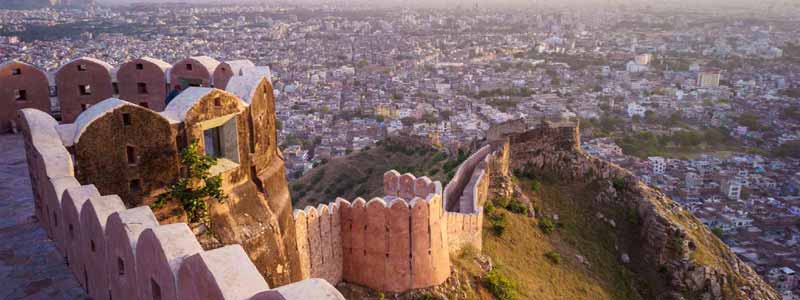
(122, 234)
(94, 214)
(81, 83)
(159, 254)
(71, 206)
(220, 274)
(663, 241)
(30, 265)
(31, 81)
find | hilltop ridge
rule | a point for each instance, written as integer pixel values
(672, 252)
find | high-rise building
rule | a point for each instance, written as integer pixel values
(708, 79)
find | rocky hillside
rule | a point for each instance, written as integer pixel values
(564, 225)
(671, 253)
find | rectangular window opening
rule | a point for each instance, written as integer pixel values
(115, 86)
(82, 67)
(16, 72)
(213, 142)
(140, 66)
(136, 185)
(126, 119)
(130, 152)
(142, 88)
(85, 90)
(20, 95)
(93, 246)
(217, 102)
(120, 266)
(189, 67)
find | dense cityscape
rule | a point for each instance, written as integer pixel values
(703, 105)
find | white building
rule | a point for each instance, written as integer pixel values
(605, 71)
(708, 80)
(634, 109)
(634, 67)
(643, 59)
(732, 189)
(658, 164)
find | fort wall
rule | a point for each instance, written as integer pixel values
(119, 253)
(389, 243)
(86, 81)
(21, 86)
(136, 140)
(395, 243)
(465, 195)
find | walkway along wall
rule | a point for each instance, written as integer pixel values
(119, 253)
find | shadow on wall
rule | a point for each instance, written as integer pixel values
(119, 253)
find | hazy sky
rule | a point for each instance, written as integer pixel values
(758, 4)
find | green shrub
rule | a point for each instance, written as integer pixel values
(426, 297)
(488, 207)
(195, 187)
(501, 201)
(501, 286)
(553, 257)
(536, 186)
(468, 251)
(718, 232)
(499, 223)
(546, 225)
(678, 243)
(317, 177)
(619, 184)
(517, 207)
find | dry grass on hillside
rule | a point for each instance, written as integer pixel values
(361, 174)
(521, 252)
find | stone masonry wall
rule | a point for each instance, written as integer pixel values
(141, 81)
(465, 195)
(403, 240)
(388, 244)
(119, 253)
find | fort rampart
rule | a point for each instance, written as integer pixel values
(398, 242)
(84, 82)
(119, 253)
(111, 155)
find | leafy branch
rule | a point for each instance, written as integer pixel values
(194, 188)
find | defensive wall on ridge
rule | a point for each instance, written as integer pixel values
(394, 243)
(401, 241)
(85, 81)
(119, 253)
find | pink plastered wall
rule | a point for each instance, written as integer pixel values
(389, 244)
(123, 253)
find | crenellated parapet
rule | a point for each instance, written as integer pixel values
(465, 195)
(85, 81)
(121, 253)
(393, 243)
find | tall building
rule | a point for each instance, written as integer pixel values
(708, 79)
(658, 164)
(643, 59)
